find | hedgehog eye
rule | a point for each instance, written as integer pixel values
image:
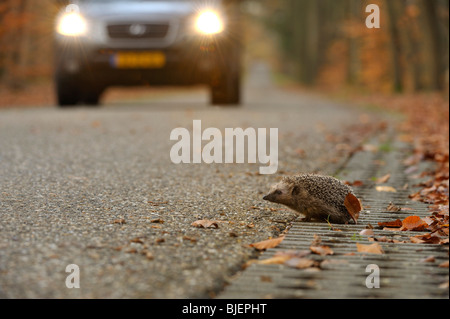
(277, 192)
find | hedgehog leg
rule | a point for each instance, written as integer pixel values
(307, 214)
(306, 219)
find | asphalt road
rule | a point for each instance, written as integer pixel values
(95, 187)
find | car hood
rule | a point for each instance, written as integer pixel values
(147, 9)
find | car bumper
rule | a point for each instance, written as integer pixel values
(187, 63)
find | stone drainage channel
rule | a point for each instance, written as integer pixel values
(403, 271)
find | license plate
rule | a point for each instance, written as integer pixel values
(139, 60)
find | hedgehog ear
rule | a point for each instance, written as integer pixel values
(295, 190)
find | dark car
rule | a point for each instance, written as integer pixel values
(103, 43)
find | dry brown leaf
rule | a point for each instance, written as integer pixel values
(383, 179)
(353, 205)
(137, 240)
(300, 263)
(322, 250)
(205, 223)
(425, 239)
(393, 208)
(414, 223)
(148, 255)
(444, 264)
(96, 124)
(191, 239)
(266, 244)
(120, 221)
(387, 189)
(396, 223)
(391, 229)
(429, 259)
(375, 248)
(356, 183)
(265, 278)
(275, 260)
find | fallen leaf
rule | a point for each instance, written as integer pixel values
(322, 250)
(444, 285)
(96, 124)
(414, 223)
(266, 244)
(205, 223)
(265, 278)
(396, 223)
(353, 205)
(393, 208)
(300, 263)
(356, 183)
(429, 259)
(444, 264)
(275, 260)
(157, 221)
(391, 229)
(137, 240)
(300, 152)
(387, 189)
(148, 255)
(375, 248)
(367, 232)
(120, 221)
(191, 239)
(425, 239)
(383, 179)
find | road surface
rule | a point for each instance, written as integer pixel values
(96, 188)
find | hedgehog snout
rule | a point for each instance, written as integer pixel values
(270, 197)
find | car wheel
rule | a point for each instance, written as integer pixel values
(226, 91)
(92, 97)
(226, 78)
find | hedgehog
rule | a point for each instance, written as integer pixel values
(315, 196)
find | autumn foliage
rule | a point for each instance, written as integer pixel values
(327, 43)
(26, 28)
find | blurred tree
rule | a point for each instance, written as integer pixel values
(25, 41)
(321, 39)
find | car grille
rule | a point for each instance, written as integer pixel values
(138, 31)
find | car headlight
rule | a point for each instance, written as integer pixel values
(71, 24)
(209, 22)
